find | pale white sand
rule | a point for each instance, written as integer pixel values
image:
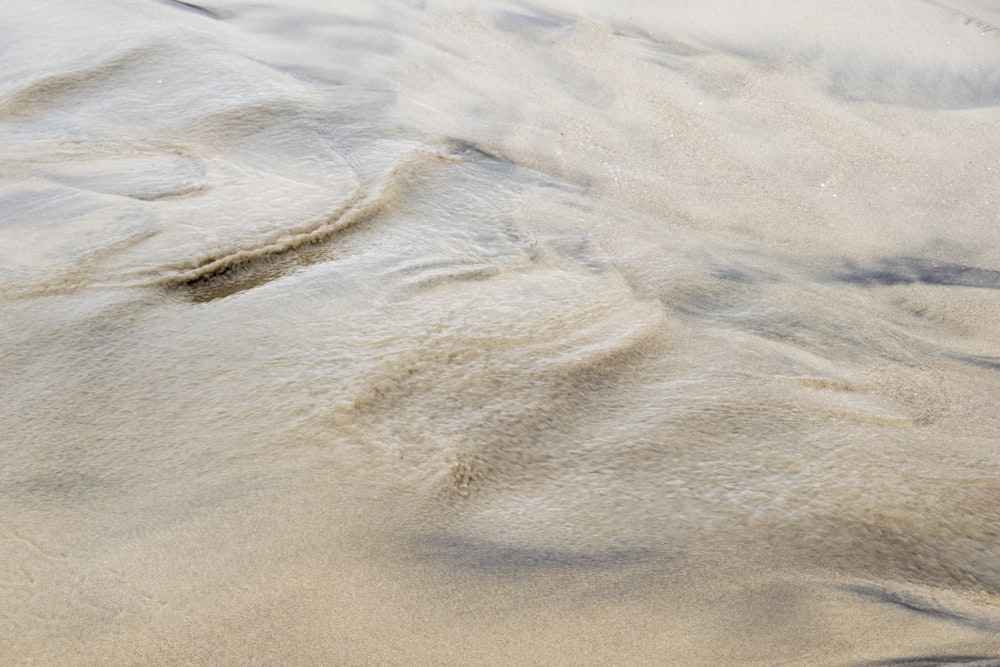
(485, 333)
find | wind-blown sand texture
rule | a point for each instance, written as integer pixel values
(499, 333)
